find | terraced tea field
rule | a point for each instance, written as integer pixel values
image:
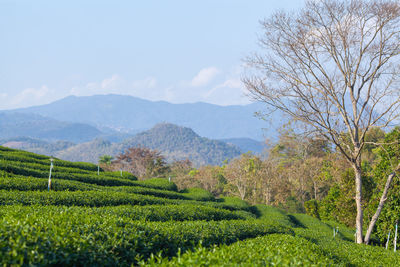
(112, 220)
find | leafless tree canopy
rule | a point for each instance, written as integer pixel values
(334, 66)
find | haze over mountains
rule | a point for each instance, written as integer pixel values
(175, 143)
(85, 128)
(131, 114)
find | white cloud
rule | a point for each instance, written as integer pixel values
(209, 85)
(114, 84)
(229, 92)
(149, 82)
(28, 97)
(204, 77)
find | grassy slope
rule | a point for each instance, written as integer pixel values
(105, 219)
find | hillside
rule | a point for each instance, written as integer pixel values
(35, 126)
(127, 113)
(111, 219)
(36, 145)
(247, 144)
(178, 143)
(175, 143)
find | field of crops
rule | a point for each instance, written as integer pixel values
(114, 220)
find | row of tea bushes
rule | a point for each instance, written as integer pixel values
(269, 250)
(93, 199)
(14, 167)
(22, 183)
(161, 213)
(24, 156)
(71, 238)
(342, 246)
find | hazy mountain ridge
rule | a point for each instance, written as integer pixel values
(175, 143)
(127, 113)
(247, 144)
(36, 126)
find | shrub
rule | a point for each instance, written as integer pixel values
(270, 250)
(311, 208)
(161, 183)
(66, 237)
(198, 194)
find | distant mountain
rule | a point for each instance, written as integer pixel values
(130, 114)
(90, 151)
(175, 143)
(247, 144)
(36, 145)
(35, 126)
(181, 142)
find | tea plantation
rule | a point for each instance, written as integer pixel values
(114, 220)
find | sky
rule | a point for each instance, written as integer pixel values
(180, 51)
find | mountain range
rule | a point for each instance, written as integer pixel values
(129, 114)
(175, 143)
(84, 128)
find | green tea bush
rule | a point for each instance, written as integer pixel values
(93, 199)
(161, 213)
(24, 156)
(342, 247)
(270, 250)
(125, 175)
(161, 183)
(3, 148)
(272, 214)
(68, 238)
(21, 183)
(86, 178)
(234, 202)
(79, 198)
(198, 194)
(147, 191)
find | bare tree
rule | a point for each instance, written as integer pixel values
(332, 66)
(142, 162)
(241, 172)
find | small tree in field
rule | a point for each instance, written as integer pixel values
(142, 162)
(334, 66)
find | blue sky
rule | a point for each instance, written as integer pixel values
(175, 50)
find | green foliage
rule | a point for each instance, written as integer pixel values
(114, 221)
(272, 214)
(23, 156)
(67, 237)
(311, 208)
(342, 248)
(161, 183)
(106, 159)
(155, 213)
(388, 158)
(339, 204)
(292, 205)
(234, 202)
(22, 183)
(198, 194)
(270, 250)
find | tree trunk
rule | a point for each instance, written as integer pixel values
(359, 218)
(315, 190)
(381, 204)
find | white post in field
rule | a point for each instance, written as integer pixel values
(387, 242)
(51, 167)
